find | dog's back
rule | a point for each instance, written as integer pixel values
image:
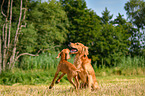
(67, 66)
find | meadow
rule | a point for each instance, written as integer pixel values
(34, 75)
(109, 86)
(50, 26)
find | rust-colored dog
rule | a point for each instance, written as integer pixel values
(83, 63)
(66, 68)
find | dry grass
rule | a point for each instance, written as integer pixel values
(110, 86)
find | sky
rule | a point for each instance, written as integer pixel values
(114, 6)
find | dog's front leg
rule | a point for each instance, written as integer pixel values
(52, 84)
(59, 78)
(90, 82)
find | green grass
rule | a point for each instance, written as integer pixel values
(41, 69)
(131, 62)
(49, 61)
(43, 61)
(30, 77)
(39, 76)
(126, 66)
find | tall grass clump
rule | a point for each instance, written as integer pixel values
(132, 65)
(125, 66)
(132, 62)
(43, 61)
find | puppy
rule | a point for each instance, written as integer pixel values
(66, 68)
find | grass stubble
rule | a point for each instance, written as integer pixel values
(109, 86)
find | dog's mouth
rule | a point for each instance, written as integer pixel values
(73, 50)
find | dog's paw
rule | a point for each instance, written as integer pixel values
(50, 87)
(56, 82)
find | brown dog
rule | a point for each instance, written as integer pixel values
(66, 68)
(83, 63)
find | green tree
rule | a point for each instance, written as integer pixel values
(136, 14)
(84, 22)
(50, 22)
(106, 17)
(106, 42)
(134, 44)
(28, 40)
(119, 20)
(112, 43)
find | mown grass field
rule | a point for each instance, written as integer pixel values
(109, 86)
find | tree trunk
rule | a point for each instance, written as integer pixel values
(5, 47)
(5, 39)
(10, 30)
(12, 59)
(10, 24)
(0, 55)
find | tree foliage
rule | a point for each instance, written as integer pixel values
(135, 11)
(111, 44)
(136, 14)
(84, 22)
(50, 22)
(106, 17)
(52, 25)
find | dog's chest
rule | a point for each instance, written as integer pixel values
(77, 62)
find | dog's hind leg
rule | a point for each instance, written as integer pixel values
(59, 78)
(70, 79)
(76, 81)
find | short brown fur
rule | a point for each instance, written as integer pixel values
(83, 63)
(66, 68)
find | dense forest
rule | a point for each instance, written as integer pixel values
(32, 27)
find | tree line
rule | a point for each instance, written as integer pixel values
(28, 27)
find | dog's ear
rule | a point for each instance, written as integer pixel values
(67, 56)
(85, 50)
(58, 55)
